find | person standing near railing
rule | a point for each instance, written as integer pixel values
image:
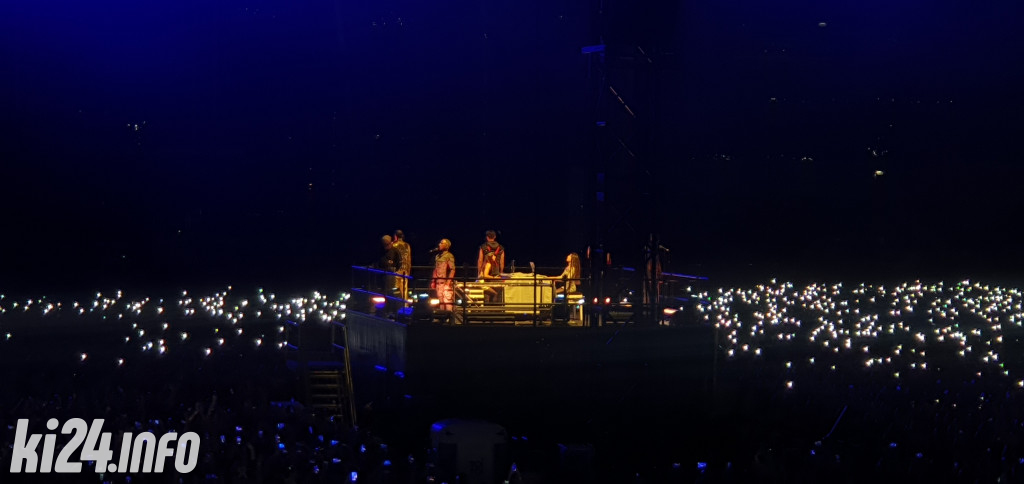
(405, 265)
(490, 246)
(389, 261)
(444, 272)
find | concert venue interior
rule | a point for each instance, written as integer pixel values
(741, 241)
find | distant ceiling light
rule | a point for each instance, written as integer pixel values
(822, 24)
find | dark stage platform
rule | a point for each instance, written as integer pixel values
(610, 386)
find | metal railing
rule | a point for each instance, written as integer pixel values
(519, 297)
(377, 281)
(515, 297)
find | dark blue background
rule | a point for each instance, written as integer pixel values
(278, 140)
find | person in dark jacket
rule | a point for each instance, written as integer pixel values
(490, 246)
(390, 261)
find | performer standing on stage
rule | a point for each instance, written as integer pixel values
(405, 266)
(491, 246)
(444, 272)
(389, 261)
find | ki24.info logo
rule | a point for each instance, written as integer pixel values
(139, 453)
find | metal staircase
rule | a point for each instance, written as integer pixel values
(324, 368)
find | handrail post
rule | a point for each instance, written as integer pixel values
(536, 314)
(583, 308)
(464, 305)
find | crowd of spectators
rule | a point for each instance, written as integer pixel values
(174, 370)
(818, 383)
(849, 384)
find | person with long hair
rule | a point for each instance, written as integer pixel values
(490, 272)
(570, 277)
